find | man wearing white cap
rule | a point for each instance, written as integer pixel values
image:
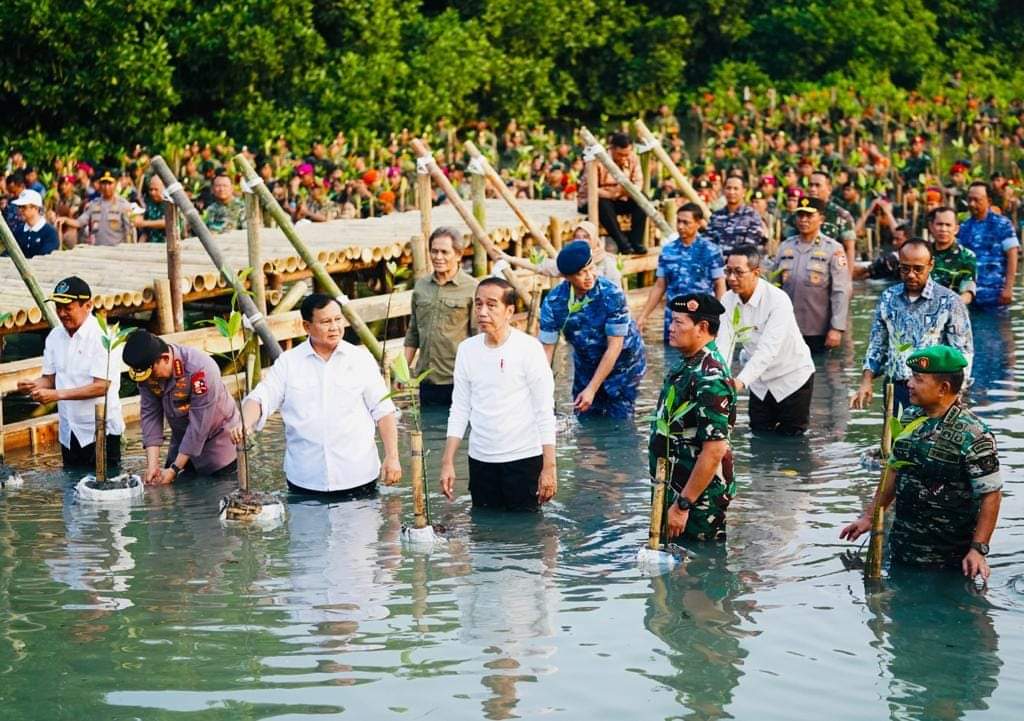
(35, 236)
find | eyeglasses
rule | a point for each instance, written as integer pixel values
(736, 271)
(915, 269)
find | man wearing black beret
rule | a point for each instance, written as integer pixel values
(694, 416)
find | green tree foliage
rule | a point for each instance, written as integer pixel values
(74, 74)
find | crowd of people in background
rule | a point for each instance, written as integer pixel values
(879, 175)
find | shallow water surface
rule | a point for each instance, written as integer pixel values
(157, 612)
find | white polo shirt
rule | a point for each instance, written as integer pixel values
(75, 360)
(330, 411)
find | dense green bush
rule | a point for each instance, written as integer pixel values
(92, 76)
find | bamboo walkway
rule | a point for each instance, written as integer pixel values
(122, 277)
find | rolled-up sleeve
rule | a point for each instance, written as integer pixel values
(617, 321)
(982, 465)
(412, 336)
(269, 393)
(550, 322)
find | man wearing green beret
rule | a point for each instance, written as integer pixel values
(695, 415)
(945, 473)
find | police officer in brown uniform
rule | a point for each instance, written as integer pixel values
(107, 219)
(813, 270)
(184, 386)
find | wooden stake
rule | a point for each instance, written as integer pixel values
(657, 505)
(253, 223)
(8, 241)
(478, 188)
(424, 201)
(419, 494)
(174, 265)
(101, 440)
(499, 186)
(165, 315)
(648, 138)
(592, 198)
(631, 190)
(873, 563)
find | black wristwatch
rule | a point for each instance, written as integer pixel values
(980, 547)
(177, 471)
(683, 503)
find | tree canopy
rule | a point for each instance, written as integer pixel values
(109, 74)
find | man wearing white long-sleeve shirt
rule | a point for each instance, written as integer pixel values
(504, 390)
(330, 394)
(777, 365)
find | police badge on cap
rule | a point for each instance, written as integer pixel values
(141, 351)
(70, 289)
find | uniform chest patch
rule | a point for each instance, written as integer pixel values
(199, 383)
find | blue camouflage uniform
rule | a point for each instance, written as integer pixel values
(602, 312)
(990, 238)
(730, 230)
(937, 316)
(690, 268)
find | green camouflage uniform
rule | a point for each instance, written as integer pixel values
(222, 217)
(956, 267)
(952, 463)
(705, 381)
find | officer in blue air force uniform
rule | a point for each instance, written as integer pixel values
(608, 352)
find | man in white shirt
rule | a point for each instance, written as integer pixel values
(76, 375)
(330, 394)
(504, 391)
(777, 365)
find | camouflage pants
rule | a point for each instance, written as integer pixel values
(706, 521)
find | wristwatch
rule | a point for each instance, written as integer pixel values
(980, 547)
(683, 502)
(177, 471)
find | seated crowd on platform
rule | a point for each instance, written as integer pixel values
(882, 175)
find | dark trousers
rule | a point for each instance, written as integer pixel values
(435, 394)
(367, 490)
(78, 456)
(789, 417)
(607, 212)
(510, 486)
(816, 343)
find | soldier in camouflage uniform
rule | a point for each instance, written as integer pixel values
(608, 353)
(956, 267)
(947, 483)
(226, 212)
(697, 408)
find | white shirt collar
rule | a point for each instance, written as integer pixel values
(37, 227)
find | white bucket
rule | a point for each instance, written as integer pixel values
(10, 480)
(655, 563)
(271, 511)
(86, 492)
(421, 539)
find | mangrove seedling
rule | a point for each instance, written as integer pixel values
(112, 336)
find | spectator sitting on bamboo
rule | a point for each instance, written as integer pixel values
(605, 264)
(613, 200)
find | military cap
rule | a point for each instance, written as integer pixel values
(703, 184)
(698, 305)
(70, 289)
(937, 359)
(794, 192)
(141, 351)
(106, 177)
(810, 205)
(573, 257)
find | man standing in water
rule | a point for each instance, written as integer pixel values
(947, 487)
(697, 445)
(504, 391)
(593, 315)
(994, 242)
(331, 396)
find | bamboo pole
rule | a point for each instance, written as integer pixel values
(422, 151)
(424, 199)
(495, 180)
(165, 315)
(478, 189)
(419, 495)
(246, 305)
(634, 192)
(253, 223)
(173, 241)
(648, 139)
(592, 199)
(657, 505)
(290, 299)
(873, 563)
(315, 266)
(101, 440)
(18, 258)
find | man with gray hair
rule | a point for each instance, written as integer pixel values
(442, 316)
